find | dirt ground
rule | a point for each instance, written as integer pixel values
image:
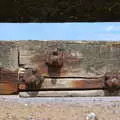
(76, 108)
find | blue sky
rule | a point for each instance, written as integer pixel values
(60, 31)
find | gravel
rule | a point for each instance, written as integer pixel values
(72, 108)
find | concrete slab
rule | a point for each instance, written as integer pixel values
(87, 93)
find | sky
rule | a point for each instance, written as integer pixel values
(60, 31)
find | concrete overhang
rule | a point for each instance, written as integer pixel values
(59, 11)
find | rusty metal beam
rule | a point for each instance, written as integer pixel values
(109, 83)
(66, 84)
(9, 83)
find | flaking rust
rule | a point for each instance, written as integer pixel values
(88, 84)
(31, 80)
(56, 62)
(8, 81)
(112, 80)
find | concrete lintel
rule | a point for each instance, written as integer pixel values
(59, 10)
(76, 93)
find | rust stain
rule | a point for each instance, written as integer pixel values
(22, 86)
(8, 88)
(87, 84)
(112, 80)
(52, 65)
(8, 81)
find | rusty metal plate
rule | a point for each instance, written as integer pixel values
(8, 82)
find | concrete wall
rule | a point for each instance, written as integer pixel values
(82, 58)
(8, 55)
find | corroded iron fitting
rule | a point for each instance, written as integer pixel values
(22, 86)
(30, 80)
(112, 80)
(55, 58)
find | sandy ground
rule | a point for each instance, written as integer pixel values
(76, 108)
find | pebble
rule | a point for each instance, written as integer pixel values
(26, 105)
(91, 116)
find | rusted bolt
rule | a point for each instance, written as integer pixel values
(22, 86)
(31, 79)
(55, 58)
(112, 80)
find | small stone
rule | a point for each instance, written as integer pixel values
(26, 105)
(91, 116)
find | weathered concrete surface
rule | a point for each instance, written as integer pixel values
(8, 55)
(59, 10)
(14, 108)
(82, 58)
(70, 93)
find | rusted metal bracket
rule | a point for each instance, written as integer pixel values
(11, 82)
(112, 80)
(37, 82)
(55, 58)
